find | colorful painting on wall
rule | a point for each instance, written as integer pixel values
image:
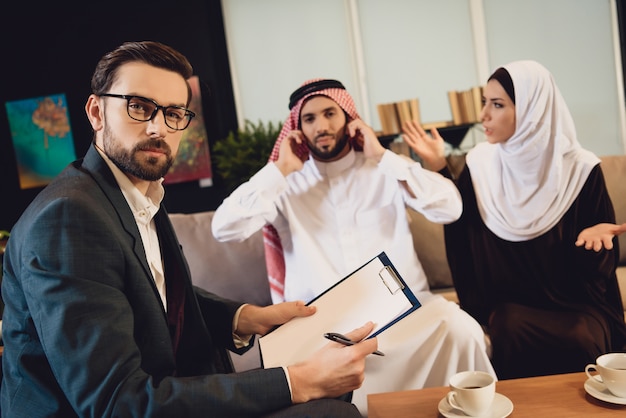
(193, 161)
(42, 138)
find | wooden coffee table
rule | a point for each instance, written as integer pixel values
(557, 396)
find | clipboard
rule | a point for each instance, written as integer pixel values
(374, 292)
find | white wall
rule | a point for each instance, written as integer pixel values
(391, 50)
(275, 45)
(573, 39)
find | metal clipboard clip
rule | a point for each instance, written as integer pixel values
(390, 279)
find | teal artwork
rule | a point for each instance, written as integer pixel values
(42, 138)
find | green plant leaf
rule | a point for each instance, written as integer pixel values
(241, 154)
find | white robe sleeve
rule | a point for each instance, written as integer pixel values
(250, 207)
(431, 194)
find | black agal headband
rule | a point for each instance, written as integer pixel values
(311, 88)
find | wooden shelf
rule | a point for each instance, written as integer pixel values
(452, 134)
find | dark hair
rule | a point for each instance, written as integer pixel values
(502, 76)
(149, 52)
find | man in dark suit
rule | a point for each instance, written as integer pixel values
(101, 318)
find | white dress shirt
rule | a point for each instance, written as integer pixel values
(144, 207)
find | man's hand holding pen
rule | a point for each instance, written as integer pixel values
(314, 378)
(342, 339)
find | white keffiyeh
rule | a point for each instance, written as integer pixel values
(525, 185)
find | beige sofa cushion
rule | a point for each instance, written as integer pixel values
(235, 270)
(614, 169)
(431, 251)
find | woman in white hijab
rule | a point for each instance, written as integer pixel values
(548, 305)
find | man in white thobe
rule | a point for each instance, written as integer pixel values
(330, 199)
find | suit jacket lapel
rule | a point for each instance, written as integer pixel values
(190, 335)
(95, 166)
(192, 338)
(176, 277)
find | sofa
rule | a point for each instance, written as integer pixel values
(236, 270)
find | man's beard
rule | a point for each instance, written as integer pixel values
(329, 153)
(129, 162)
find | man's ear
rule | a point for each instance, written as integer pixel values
(95, 112)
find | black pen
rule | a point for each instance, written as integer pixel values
(342, 339)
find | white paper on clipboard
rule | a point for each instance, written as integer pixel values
(374, 292)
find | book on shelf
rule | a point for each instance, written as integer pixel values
(465, 105)
(438, 124)
(404, 112)
(462, 107)
(454, 107)
(388, 118)
(469, 104)
(393, 115)
(477, 96)
(414, 105)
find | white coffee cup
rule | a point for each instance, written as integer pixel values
(611, 370)
(472, 392)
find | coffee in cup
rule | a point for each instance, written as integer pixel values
(472, 392)
(611, 370)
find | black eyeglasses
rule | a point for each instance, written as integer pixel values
(143, 109)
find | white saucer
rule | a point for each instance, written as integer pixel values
(501, 408)
(599, 391)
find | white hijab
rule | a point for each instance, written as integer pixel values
(525, 185)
